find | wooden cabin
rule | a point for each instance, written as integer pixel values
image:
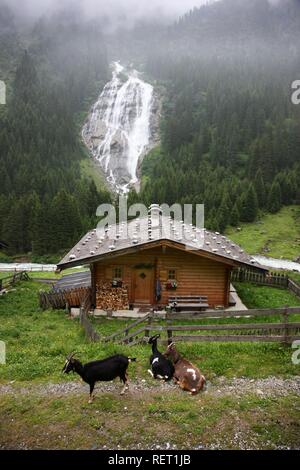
(154, 264)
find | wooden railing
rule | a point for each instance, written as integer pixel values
(268, 279)
(85, 307)
(294, 287)
(124, 336)
(10, 281)
(282, 331)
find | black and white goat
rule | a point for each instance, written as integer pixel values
(102, 370)
(162, 368)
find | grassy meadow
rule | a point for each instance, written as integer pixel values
(275, 235)
(37, 343)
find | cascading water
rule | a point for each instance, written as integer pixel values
(118, 130)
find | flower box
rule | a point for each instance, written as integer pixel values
(171, 285)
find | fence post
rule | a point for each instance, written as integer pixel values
(286, 281)
(149, 321)
(126, 332)
(168, 321)
(285, 320)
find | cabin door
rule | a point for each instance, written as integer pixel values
(143, 287)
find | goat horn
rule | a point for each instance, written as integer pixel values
(71, 355)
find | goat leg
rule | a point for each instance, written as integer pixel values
(126, 387)
(92, 385)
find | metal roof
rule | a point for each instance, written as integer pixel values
(71, 281)
(138, 233)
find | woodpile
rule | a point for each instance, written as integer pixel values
(111, 298)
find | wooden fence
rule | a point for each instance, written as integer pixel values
(294, 287)
(127, 337)
(9, 281)
(60, 299)
(85, 307)
(282, 331)
(267, 279)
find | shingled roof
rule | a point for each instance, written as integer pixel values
(149, 232)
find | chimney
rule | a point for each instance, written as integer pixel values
(155, 222)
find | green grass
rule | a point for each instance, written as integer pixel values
(38, 341)
(293, 275)
(278, 233)
(46, 274)
(92, 171)
(144, 420)
(256, 296)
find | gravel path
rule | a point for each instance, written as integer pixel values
(267, 387)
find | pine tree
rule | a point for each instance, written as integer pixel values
(260, 189)
(66, 220)
(234, 216)
(274, 198)
(223, 216)
(249, 207)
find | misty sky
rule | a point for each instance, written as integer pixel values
(115, 9)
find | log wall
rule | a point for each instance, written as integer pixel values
(195, 275)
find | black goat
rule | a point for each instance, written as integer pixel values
(161, 367)
(103, 370)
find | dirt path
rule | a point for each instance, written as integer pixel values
(153, 415)
(267, 387)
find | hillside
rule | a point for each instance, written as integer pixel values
(47, 198)
(275, 235)
(230, 136)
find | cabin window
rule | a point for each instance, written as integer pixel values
(171, 274)
(117, 272)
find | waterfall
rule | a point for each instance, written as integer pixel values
(118, 129)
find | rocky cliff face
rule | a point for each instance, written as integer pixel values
(122, 126)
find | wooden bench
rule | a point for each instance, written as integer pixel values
(188, 302)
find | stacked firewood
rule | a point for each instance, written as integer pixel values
(111, 298)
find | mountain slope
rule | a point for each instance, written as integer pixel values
(42, 193)
(230, 134)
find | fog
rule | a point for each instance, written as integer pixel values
(116, 11)
(113, 14)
